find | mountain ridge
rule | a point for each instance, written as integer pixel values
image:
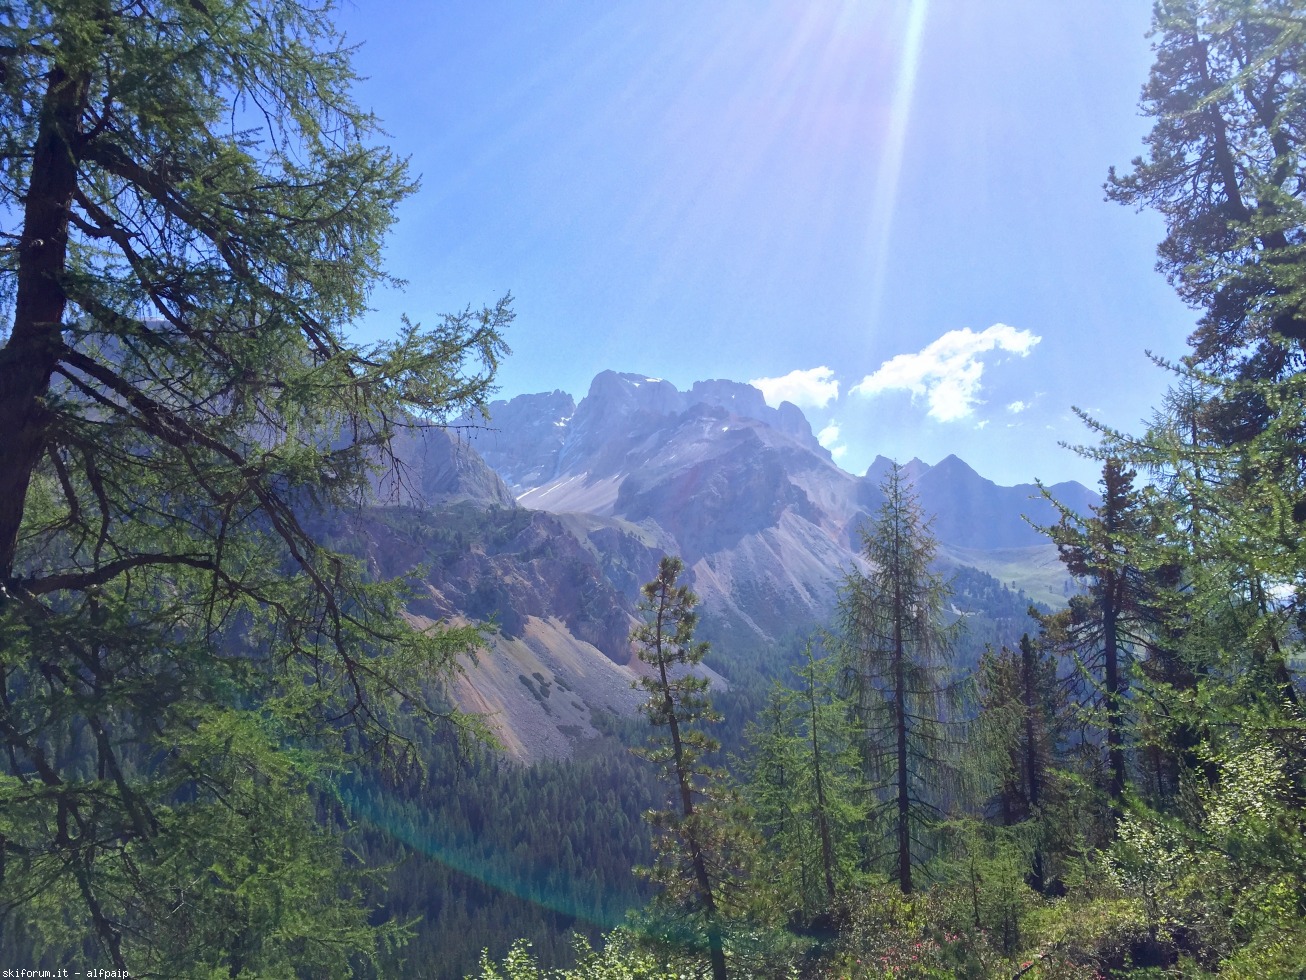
(631, 423)
(548, 519)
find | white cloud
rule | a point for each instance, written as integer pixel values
(1016, 407)
(947, 372)
(829, 438)
(813, 388)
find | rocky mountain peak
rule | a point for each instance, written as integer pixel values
(436, 466)
(522, 437)
(734, 396)
(699, 445)
(952, 467)
(914, 469)
(748, 402)
(880, 466)
(616, 394)
(531, 440)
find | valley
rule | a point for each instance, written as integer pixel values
(318, 661)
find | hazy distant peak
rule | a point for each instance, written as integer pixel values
(522, 437)
(437, 466)
(617, 394)
(880, 465)
(747, 401)
(911, 470)
(953, 466)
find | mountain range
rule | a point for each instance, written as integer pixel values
(548, 517)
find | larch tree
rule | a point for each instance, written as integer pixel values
(1225, 169)
(897, 654)
(802, 785)
(770, 784)
(1020, 723)
(693, 859)
(1111, 624)
(193, 214)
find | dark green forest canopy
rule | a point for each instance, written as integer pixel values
(194, 211)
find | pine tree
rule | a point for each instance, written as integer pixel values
(770, 784)
(801, 784)
(1220, 706)
(693, 858)
(830, 756)
(1104, 628)
(1224, 169)
(199, 209)
(897, 666)
(1021, 722)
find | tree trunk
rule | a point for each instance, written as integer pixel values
(1028, 667)
(715, 943)
(1115, 736)
(904, 784)
(28, 359)
(822, 818)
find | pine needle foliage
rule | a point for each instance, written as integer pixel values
(802, 783)
(1110, 627)
(195, 210)
(695, 856)
(898, 677)
(1019, 734)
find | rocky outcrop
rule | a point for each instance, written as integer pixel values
(559, 593)
(434, 466)
(508, 565)
(708, 502)
(748, 402)
(521, 438)
(535, 440)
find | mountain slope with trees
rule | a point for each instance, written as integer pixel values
(258, 612)
(1137, 786)
(764, 521)
(199, 209)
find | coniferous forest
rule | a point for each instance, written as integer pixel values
(230, 748)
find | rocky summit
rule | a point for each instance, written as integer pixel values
(545, 519)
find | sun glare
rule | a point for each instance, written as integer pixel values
(779, 139)
(880, 224)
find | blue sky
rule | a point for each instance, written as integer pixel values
(888, 211)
